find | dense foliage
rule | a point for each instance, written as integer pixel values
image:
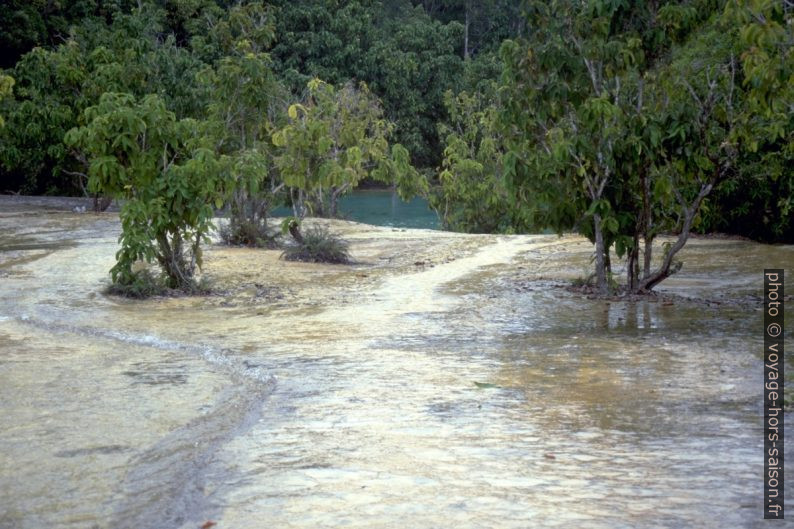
(472, 195)
(166, 174)
(334, 139)
(64, 55)
(620, 119)
(241, 115)
(6, 87)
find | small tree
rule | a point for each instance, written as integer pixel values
(166, 179)
(610, 133)
(244, 102)
(333, 140)
(563, 117)
(698, 151)
(241, 115)
(763, 201)
(472, 195)
(132, 54)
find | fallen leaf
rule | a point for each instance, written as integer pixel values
(208, 524)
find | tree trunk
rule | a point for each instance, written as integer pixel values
(665, 270)
(647, 254)
(601, 279)
(632, 264)
(333, 200)
(102, 204)
(466, 32)
(647, 222)
(298, 204)
(172, 260)
(630, 271)
(295, 231)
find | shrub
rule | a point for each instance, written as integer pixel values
(166, 177)
(247, 233)
(144, 284)
(318, 245)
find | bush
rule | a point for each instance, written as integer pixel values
(144, 285)
(167, 177)
(318, 245)
(248, 233)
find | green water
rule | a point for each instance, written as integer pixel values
(383, 208)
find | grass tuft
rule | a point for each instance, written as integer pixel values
(318, 246)
(248, 233)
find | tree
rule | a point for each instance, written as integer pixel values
(6, 88)
(326, 40)
(406, 58)
(217, 30)
(55, 86)
(611, 133)
(245, 104)
(759, 203)
(166, 176)
(698, 150)
(241, 118)
(472, 194)
(410, 68)
(30, 23)
(333, 140)
(563, 89)
(486, 23)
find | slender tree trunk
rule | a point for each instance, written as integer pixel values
(635, 274)
(333, 201)
(466, 32)
(294, 230)
(632, 264)
(647, 254)
(319, 208)
(171, 258)
(647, 223)
(102, 203)
(665, 270)
(294, 201)
(262, 209)
(630, 271)
(298, 203)
(601, 279)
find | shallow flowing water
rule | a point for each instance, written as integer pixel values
(443, 380)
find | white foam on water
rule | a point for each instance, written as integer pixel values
(220, 358)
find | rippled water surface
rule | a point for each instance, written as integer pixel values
(442, 381)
